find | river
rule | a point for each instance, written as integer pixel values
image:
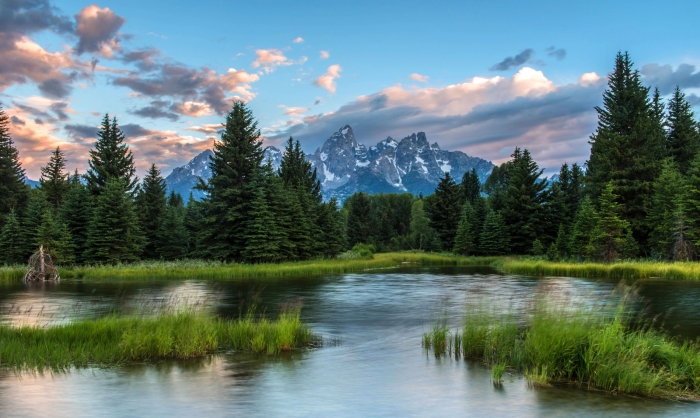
(371, 365)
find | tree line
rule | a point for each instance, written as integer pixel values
(637, 196)
(250, 212)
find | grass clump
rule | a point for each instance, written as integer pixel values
(114, 340)
(619, 270)
(594, 347)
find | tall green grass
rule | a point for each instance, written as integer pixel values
(12, 273)
(116, 340)
(213, 270)
(619, 270)
(593, 347)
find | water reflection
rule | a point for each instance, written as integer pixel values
(378, 370)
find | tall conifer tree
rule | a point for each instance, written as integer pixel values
(11, 241)
(609, 234)
(444, 209)
(54, 179)
(494, 238)
(76, 214)
(13, 191)
(666, 201)
(471, 187)
(683, 138)
(151, 205)
(585, 221)
(111, 158)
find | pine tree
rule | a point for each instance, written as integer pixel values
(471, 187)
(562, 244)
(114, 234)
(172, 237)
(111, 158)
(262, 234)
(151, 205)
(668, 194)
(524, 210)
(552, 252)
(194, 223)
(444, 210)
(54, 180)
(585, 222)
(419, 226)
(76, 214)
(13, 191)
(626, 146)
(609, 234)
(537, 248)
(64, 247)
(359, 219)
(464, 244)
(630, 248)
(237, 156)
(683, 138)
(494, 238)
(683, 248)
(37, 206)
(333, 227)
(11, 239)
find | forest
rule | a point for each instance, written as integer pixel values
(627, 202)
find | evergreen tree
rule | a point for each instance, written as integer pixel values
(194, 223)
(537, 248)
(114, 234)
(11, 239)
(420, 230)
(237, 157)
(54, 180)
(76, 214)
(444, 209)
(496, 185)
(359, 219)
(111, 158)
(264, 237)
(37, 206)
(683, 248)
(630, 248)
(494, 238)
(626, 146)
(585, 222)
(683, 138)
(464, 244)
(552, 252)
(668, 194)
(151, 205)
(562, 244)
(13, 191)
(172, 238)
(471, 187)
(333, 227)
(524, 210)
(609, 235)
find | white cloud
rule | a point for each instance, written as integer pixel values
(269, 59)
(327, 80)
(324, 55)
(294, 111)
(419, 78)
(589, 78)
(298, 40)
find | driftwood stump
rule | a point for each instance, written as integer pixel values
(41, 268)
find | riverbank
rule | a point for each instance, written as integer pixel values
(212, 270)
(591, 347)
(618, 270)
(117, 340)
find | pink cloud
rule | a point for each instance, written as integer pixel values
(327, 80)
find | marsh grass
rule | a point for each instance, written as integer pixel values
(591, 346)
(115, 340)
(619, 270)
(214, 270)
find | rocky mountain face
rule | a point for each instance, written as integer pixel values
(344, 166)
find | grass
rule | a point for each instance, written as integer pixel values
(619, 270)
(115, 340)
(212, 270)
(593, 347)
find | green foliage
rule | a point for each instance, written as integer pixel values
(683, 137)
(359, 218)
(114, 234)
(585, 222)
(11, 241)
(524, 210)
(76, 214)
(37, 207)
(666, 200)
(471, 186)
(151, 204)
(537, 248)
(263, 234)
(13, 191)
(608, 235)
(332, 224)
(444, 209)
(111, 158)
(494, 238)
(630, 248)
(464, 244)
(54, 180)
(553, 252)
(172, 237)
(562, 243)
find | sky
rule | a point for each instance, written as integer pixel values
(480, 77)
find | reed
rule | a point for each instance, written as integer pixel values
(594, 347)
(115, 340)
(619, 270)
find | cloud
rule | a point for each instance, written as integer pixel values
(666, 78)
(509, 62)
(480, 116)
(97, 30)
(82, 133)
(298, 40)
(158, 109)
(558, 53)
(294, 111)
(587, 79)
(208, 128)
(419, 78)
(327, 80)
(144, 59)
(324, 55)
(693, 99)
(22, 17)
(269, 59)
(199, 91)
(157, 35)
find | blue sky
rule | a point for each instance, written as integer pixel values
(482, 77)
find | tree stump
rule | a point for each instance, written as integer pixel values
(41, 268)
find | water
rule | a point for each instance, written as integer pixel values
(378, 369)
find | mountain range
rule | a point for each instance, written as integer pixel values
(345, 166)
